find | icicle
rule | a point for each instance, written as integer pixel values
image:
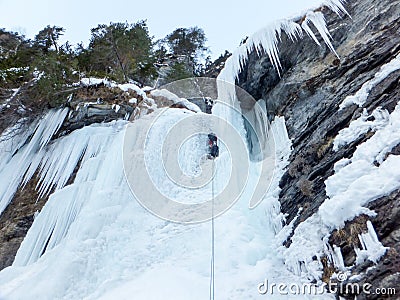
(283, 148)
(12, 139)
(88, 146)
(372, 248)
(308, 30)
(266, 40)
(53, 123)
(338, 258)
(336, 6)
(318, 19)
(56, 169)
(28, 158)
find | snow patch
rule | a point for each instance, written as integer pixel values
(364, 124)
(92, 81)
(130, 86)
(175, 99)
(7, 101)
(371, 173)
(362, 95)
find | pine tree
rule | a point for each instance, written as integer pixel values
(48, 37)
(189, 43)
(122, 51)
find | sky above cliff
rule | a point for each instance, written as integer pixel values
(225, 23)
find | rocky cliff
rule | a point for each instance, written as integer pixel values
(313, 84)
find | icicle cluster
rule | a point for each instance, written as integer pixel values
(21, 163)
(88, 148)
(266, 40)
(372, 248)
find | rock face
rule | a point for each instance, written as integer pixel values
(16, 220)
(313, 84)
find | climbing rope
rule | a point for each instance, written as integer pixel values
(212, 278)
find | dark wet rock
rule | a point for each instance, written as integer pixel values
(89, 113)
(16, 220)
